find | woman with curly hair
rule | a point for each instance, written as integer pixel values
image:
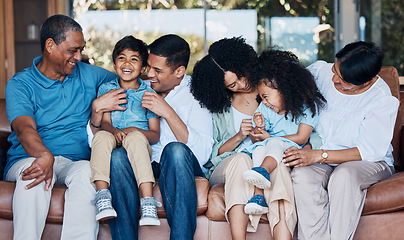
(221, 83)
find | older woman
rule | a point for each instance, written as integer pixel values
(221, 83)
(356, 129)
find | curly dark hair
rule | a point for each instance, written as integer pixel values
(282, 71)
(207, 83)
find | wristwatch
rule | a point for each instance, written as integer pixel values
(324, 155)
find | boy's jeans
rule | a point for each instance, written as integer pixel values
(178, 168)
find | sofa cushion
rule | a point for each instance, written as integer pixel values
(6, 198)
(202, 189)
(56, 208)
(216, 207)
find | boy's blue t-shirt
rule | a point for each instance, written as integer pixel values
(134, 115)
(61, 110)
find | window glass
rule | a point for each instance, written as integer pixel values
(384, 26)
(303, 27)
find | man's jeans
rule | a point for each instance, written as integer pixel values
(177, 169)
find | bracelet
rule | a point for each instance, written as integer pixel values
(99, 126)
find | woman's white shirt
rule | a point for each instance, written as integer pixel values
(364, 120)
(238, 118)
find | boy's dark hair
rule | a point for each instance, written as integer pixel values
(174, 48)
(56, 27)
(207, 83)
(282, 71)
(360, 62)
(133, 44)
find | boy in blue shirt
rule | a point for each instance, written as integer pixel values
(134, 129)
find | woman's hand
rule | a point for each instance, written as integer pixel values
(245, 128)
(294, 157)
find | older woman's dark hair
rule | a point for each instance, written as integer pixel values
(360, 62)
(56, 27)
(282, 71)
(133, 44)
(207, 84)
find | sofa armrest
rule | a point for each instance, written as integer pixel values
(385, 196)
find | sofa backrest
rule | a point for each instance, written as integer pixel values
(4, 124)
(390, 75)
(5, 130)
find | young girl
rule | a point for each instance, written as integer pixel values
(285, 118)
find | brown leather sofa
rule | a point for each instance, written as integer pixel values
(382, 217)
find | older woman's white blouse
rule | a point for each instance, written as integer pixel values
(364, 120)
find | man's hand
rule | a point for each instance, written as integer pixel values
(160, 107)
(110, 101)
(156, 104)
(41, 169)
(107, 102)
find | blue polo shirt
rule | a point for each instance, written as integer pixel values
(134, 115)
(61, 110)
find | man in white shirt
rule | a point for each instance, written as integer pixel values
(185, 144)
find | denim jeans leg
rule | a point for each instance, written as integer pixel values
(178, 167)
(125, 197)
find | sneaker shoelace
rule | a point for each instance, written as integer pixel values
(103, 203)
(149, 211)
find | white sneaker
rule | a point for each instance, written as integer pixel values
(149, 211)
(103, 202)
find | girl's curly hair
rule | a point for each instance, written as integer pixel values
(207, 83)
(282, 71)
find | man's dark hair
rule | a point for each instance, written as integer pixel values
(133, 44)
(56, 27)
(360, 62)
(172, 47)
